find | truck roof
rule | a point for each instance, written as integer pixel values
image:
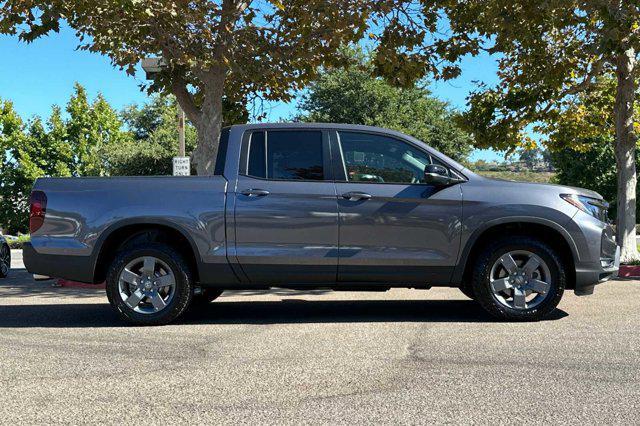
(338, 126)
(350, 127)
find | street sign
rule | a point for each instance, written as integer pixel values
(181, 166)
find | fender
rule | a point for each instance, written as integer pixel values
(463, 257)
(143, 220)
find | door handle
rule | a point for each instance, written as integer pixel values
(255, 192)
(356, 196)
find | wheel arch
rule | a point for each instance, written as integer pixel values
(128, 231)
(548, 231)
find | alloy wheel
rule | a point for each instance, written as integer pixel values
(520, 280)
(147, 285)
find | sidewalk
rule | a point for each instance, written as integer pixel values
(16, 259)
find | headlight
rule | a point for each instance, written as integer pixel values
(592, 206)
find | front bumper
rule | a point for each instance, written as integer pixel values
(590, 275)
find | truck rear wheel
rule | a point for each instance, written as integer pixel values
(149, 284)
(519, 278)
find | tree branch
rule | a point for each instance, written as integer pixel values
(587, 81)
(185, 99)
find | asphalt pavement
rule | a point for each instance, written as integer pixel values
(283, 357)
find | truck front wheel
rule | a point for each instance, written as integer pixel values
(519, 278)
(149, 284)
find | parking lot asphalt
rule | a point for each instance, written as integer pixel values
(404, 356)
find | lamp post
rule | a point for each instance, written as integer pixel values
(181, 164)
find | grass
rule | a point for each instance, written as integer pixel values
(538, 177)
(17, 244)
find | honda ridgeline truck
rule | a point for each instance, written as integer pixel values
(338, 207)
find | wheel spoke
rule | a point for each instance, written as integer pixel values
(509, 264)
(147, 285)
(531, 265)
(149, 265)
(519, 298)
(158, 302)
(501, 284)
(165, 281)
(135, 298)
(538, 286)
(129, 277)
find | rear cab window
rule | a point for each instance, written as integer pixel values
(222, 151)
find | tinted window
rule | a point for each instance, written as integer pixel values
(222, 152)
(257, 159)
(289, 155)
(377, 158)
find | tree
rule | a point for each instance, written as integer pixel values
(352, 95)
(593, 167)
(154, 139)
(91, 131)
(214, 51)
(530, 157)
(74, 146)
(28, 152)
(582, 139)
(550, 53)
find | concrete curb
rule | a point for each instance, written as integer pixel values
(629, 271)
(74, 284)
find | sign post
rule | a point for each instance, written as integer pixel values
(181, 166)
(181, 147)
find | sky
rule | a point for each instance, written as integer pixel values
(41, 74)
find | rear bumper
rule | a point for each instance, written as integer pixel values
(73, 268)
(592, 274)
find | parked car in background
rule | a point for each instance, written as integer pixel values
(305, 206)
(5, 257)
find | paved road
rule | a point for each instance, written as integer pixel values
(318, 357)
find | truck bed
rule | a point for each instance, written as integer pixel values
(81, 211)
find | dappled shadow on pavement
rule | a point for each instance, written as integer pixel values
(20, 283)
(275, 291)
(276, 312)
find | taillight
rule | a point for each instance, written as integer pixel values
(37, 211)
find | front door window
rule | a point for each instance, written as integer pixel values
(381, 159)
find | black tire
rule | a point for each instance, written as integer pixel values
(5, 256)
(183, 280)
(207, 296)
(497, 248)
(467, 290)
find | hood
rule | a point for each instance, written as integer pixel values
(560, 189)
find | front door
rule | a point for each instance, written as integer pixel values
(286, 213)
(394, 228)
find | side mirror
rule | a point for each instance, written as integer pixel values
(435, 174)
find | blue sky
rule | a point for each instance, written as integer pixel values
(38, 75)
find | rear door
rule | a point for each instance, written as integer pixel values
(394, 228)
(286, 212)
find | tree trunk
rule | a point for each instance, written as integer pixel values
(208, 127)
(625, 150)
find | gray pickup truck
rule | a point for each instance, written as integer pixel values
(340, 207)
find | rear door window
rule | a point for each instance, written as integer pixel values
(286, 155)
